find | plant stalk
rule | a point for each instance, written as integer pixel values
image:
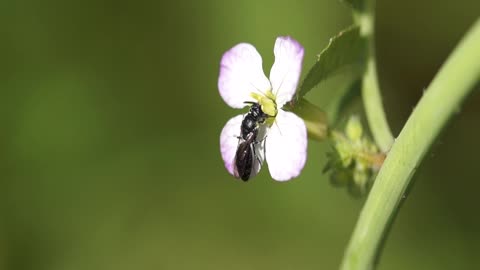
(442, 99)
(372, 98)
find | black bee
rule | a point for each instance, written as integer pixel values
(245, 155)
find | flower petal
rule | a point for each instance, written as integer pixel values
(286, 70)
(229, 143)
(286, 146)
(241, 73)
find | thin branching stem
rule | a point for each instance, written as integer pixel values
(371, 94)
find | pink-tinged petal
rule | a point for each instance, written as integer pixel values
(286, 146)
(286, 70)
(241, 73)
(229, 142)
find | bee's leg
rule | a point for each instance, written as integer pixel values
(255, 154)
(265, 148)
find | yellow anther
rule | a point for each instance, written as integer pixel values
(267, 102)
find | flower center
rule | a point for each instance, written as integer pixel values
(267, 103)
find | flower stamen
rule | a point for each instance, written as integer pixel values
(267, 101)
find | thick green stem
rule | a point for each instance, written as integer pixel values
(441, 100)
(372, 98)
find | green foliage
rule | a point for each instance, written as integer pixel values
(347, 49)
(355, 159)
(450, 87)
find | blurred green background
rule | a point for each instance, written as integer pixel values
(109, 142)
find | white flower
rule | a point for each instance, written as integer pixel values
(242, 79)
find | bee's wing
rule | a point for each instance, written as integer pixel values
(243, 160)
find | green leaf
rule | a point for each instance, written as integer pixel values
(357, 5)
(347, 49)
